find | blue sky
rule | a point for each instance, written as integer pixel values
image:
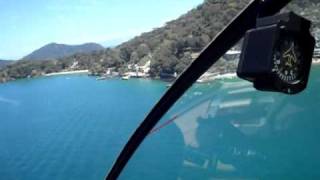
(26, 25)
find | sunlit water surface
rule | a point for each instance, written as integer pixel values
(69, 127)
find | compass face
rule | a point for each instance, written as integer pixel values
(287, 61)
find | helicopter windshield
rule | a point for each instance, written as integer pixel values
(78, 78)
(223, 128)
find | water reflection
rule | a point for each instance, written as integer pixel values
(240, 133)
(227, 130)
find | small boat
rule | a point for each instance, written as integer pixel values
(102, 78)
(125, 77)
(169, 85)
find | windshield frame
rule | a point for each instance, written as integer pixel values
(211, 54)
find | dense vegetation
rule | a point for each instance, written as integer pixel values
(170, 48)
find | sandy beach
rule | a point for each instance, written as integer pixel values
(68, 72)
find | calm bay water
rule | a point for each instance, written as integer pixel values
(69, 127)
(73, 127)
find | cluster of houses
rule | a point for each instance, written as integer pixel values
(137, 71)
(142, 71)
(317, 49)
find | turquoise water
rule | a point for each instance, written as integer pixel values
(73, 127)
(69, 127)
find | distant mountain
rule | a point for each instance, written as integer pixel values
(4, 63)
(55, 51)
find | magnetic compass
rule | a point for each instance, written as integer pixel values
(277, 55)
(287, 61)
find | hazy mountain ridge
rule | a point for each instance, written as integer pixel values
(4, 63)
(170, 48)
(54, 51)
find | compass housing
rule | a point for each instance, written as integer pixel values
(277, 54)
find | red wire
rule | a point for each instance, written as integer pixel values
(164, 124)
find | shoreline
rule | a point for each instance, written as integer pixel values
(209, 77)
(67, 73)
(205, 78)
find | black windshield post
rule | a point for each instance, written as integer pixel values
(225, 40)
